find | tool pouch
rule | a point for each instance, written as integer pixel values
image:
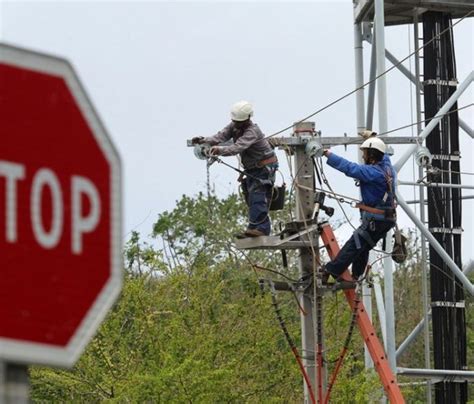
(276, 194)
(399, 251)
(278, 197)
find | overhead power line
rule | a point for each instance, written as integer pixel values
(374, 79)
(426, 120)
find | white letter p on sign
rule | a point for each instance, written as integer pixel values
(83, 224)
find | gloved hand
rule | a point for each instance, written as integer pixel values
(327, 152)
(367, 133)
(215, 151)
(197, 140)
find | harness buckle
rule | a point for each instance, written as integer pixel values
(372, 225)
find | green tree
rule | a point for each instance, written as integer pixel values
(192, 324)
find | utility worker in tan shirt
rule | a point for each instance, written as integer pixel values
(258, 159)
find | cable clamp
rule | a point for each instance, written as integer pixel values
(449, 157)
(437, 82)
(447, 230)
(457, 305)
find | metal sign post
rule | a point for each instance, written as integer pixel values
(14, 383)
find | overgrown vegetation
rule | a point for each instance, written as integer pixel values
(192, 324)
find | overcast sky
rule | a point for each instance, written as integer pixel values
(161, 72)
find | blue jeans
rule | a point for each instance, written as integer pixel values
(259, 183)
(357, 248)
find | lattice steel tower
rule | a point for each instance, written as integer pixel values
(437, 86)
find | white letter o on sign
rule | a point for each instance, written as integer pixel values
(45, 177)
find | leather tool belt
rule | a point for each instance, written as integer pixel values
(269, 160)
(389, 213)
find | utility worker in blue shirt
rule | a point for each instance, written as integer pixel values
(377, 179)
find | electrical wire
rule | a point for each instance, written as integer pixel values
(260, 267)
(320, 358)
(281, 322)
(315, 261)
(345, 347)
(138, 225)
(340, 197)
(374, 79)
(454, 172)
(351, 327)
(291, 344)
(384, 134)
(256, 266)
(425, 120)
(326, 181)
(317, 306)
(292, 188)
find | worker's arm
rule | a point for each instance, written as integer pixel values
(220, 137)
(361, 172)
(249, 137)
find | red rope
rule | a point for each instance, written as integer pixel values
(320, 372)
(290, 342)
(305, 374)
(343, 352)
(334, 375)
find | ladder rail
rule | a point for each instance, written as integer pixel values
(367, 330)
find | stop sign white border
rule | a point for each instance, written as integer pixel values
(27, 352)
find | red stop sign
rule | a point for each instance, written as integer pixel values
(60, 212)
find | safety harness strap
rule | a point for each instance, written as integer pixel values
(365, 235)
(386, 213)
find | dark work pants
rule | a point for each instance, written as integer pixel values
(259, 183)
(357, 248)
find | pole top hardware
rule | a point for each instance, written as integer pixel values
(303, 127)
(331, 141)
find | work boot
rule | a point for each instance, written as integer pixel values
(325, 278)
(325, 275)
(254, 233)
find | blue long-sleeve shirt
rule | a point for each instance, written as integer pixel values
(372, 178)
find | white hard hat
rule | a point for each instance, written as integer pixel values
(241, 111)
(374, 143)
